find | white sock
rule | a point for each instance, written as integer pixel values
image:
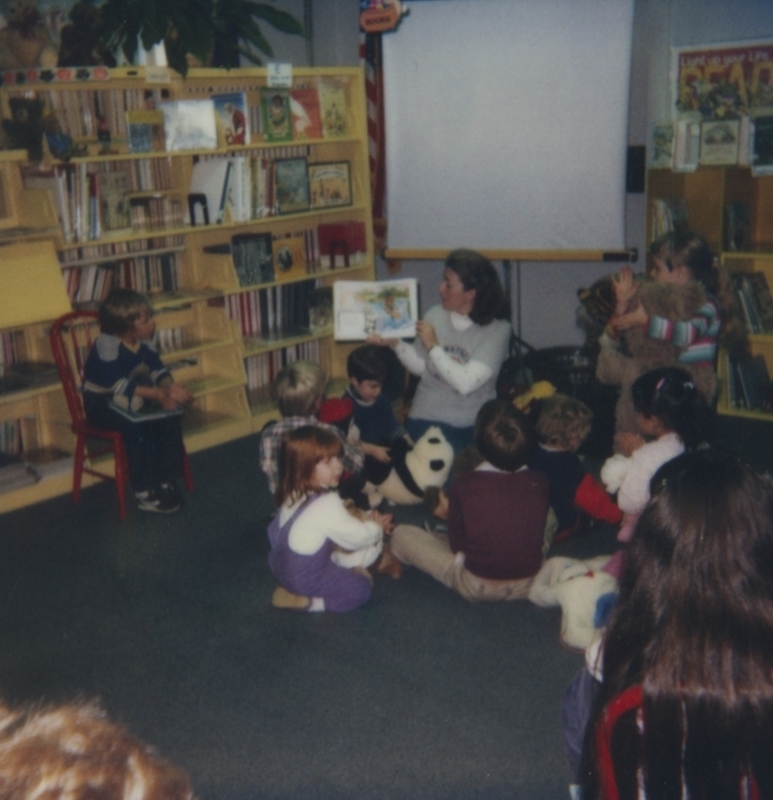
(317, 604)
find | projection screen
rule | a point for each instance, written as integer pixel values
(506, 124)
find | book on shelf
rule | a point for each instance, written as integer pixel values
(291, 185)
(381, 308)
(330, 184)
(208, 191)
(290, 258)
(687, 145)
(233, 126)
(145, 130)
(275, 115)
(341, 244)
(662, 145)
(756, 286)
(719, 142)
(753, 381)
(305, 113)
(745, 302)
(54, 181)
(321, 308)
(253, 258)
(148, 412)
(668, 214)
(762, 152)
(115, 211)
(189, 124)
(332, 102)
(738, 234)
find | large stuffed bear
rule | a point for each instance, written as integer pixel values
(620, 363)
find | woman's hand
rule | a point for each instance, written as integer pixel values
(381, 342)
(633, 319)
(427, 334)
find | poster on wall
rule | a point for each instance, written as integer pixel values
(722, 81)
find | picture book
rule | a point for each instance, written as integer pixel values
(146, 413)
(330, 184)
(253, 258)
(687, 141)
(233, 126)
(291, 185)
(275, 115)
(382, 308)
(114, 205)
(341, 244)
(145, 130)
(762, 156)
(305, 113)
(663, 145)
(290, 258)
(332, 101)
(189, 124)
(208, 191)
(719, 142)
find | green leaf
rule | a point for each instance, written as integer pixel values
(281, 20)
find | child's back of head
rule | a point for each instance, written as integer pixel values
(368, 363)
(503, 436)
(299, 389)
(120, 309)
(670, 395)
(564, 422)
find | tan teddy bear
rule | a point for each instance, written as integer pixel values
(25, 41)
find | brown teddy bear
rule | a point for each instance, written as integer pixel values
(25, 41)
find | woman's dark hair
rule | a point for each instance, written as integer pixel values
(670, 395)
(477, 272)
(120, 310)
(694, 626)
(503, 436)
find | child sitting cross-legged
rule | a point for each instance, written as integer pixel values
(123, 371)
(562, 425)
(320, 551)
(499, 525)
(299, 391)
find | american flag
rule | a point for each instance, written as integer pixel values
(371, 58)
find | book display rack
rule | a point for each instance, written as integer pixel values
(733, 209)
(232, 298)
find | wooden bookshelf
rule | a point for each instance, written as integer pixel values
(706, 193)
(48, 267)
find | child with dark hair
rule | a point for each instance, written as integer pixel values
(562, 425)
(498, 525)
(693, 627)
(124, 371)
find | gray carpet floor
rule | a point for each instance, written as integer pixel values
(167, 621)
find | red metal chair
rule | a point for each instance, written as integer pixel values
(629, 700)
(72, 337)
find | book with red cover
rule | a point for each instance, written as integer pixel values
(305, 113)
(341, 244)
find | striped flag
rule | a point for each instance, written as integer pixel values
(371, 58)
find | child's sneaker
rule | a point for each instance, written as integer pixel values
(155, 500)
(169, 492)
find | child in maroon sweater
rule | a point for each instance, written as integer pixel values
(498, 527)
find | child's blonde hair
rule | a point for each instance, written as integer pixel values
(563, 421)
(301, 450)
(120, 310)
(299, 388)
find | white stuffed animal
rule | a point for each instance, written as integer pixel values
(614, 471)
(585, 593)
(427, 464)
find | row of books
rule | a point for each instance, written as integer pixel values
(689, 143)
(274, 312)
(262, 369)
(748, 383)
(755, 300)
(149, 274)
(115, 251)
(170, 340)
(10, 345)
(11, 437)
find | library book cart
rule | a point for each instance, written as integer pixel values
(733, 210)
(106, 214)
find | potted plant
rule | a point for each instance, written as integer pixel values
(210, 32)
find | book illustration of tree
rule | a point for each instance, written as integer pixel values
(385, 310)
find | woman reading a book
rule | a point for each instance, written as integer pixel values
(459, 348)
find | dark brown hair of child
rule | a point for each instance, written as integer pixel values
(368, 363)
(503, 436)
(476, 272)
(120, 310)
(694, 626)
(301, 450)
(563, 421)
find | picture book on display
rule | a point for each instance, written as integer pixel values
(663, 145)
(114, 205)
(208, 191)
(275, 115)
(145, 130)
(719, 142)
(189, 124)
(330, 184)
(305, 113)
(762, 156)
(291, 185)
(382, 308)
(332, 101)
(233, 126)
(253, 258)
(290, 258)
